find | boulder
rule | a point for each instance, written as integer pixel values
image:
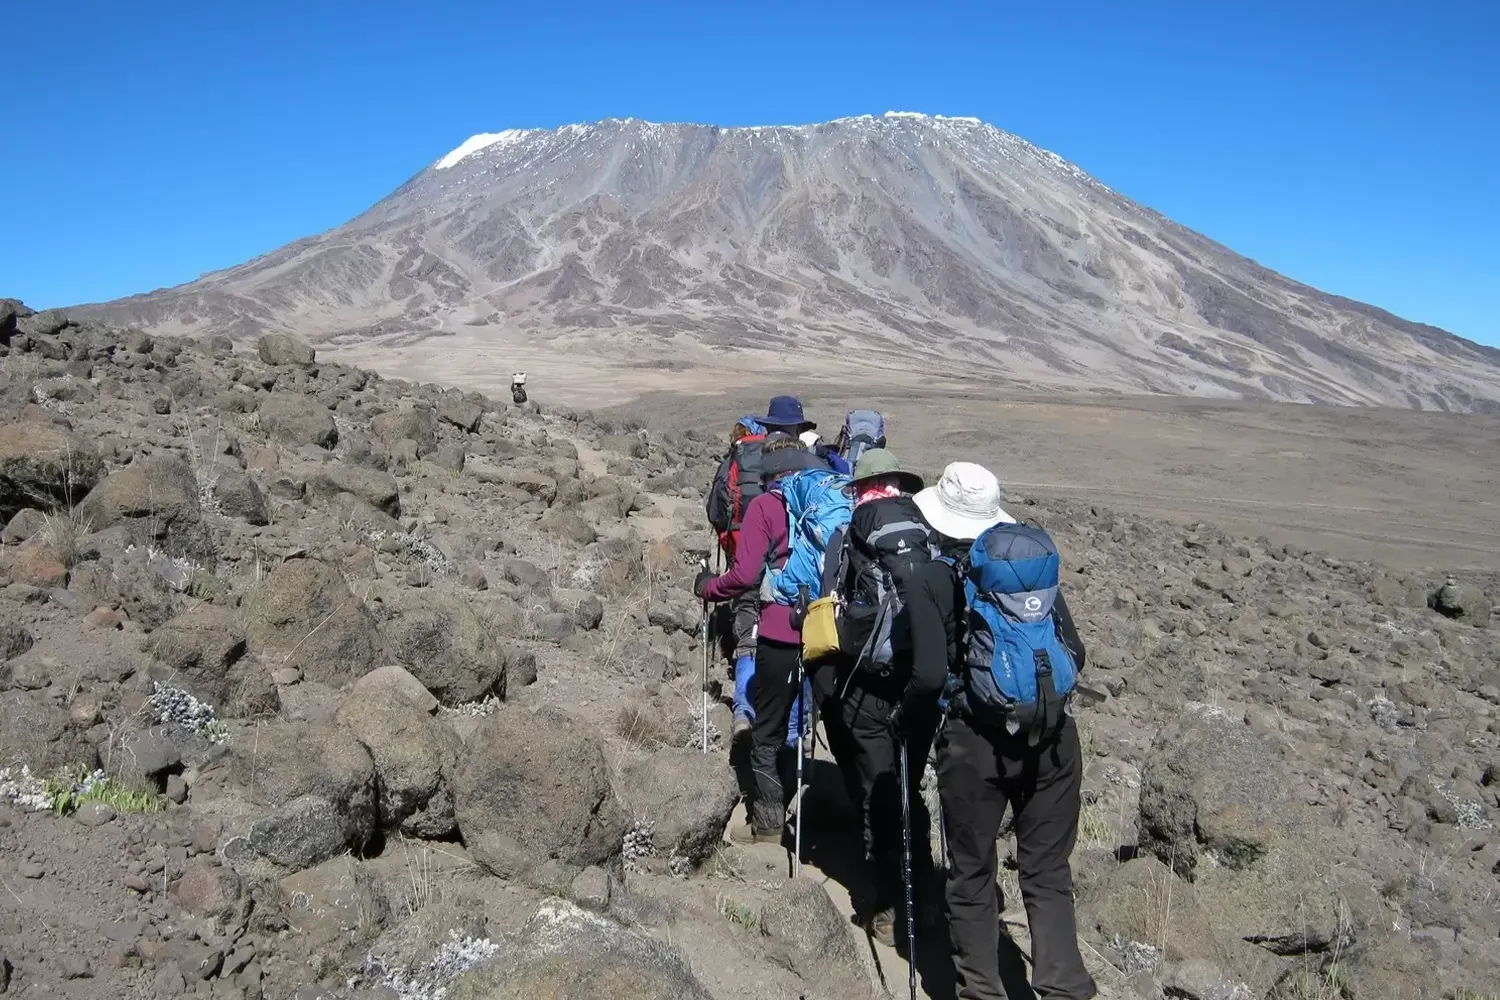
(463, 411)
(1462, 602)
(35, 566)
(14, 639)
(8, 315)
(409, 945)
(1197, 979)
(200, 647)
(687, 795)
(239, 496)
(628, 445)
(1142, 902)
(415, 757)
(378, 489)
(417, 424)
(449, 457)
(44, 464)
(397, 683)
(447, 647)
(335, 902)
(535, 484)
(296, 420)
(41, 735)
(1211, 783)
(210, 891)
(806, 933)
(318, 784)
(364, 517)
(278, 349)
(156, 499)
(569, 526)
(1295, 900)
(1399, 966)
(566, 951)
(304, 615)
(611, 498)
(130, 580)
(66, 389)
(584, 609)
(47, 323)
(533, 786)
(27, 522)
(145, 756)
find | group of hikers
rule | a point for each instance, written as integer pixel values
(898, 618)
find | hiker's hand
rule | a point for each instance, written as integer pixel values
(701, 580)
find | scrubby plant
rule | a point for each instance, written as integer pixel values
(737, 913)
(70, 789)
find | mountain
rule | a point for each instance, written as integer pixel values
(905, 243)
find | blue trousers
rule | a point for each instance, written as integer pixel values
(744, 669)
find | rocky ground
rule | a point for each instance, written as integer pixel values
(319, 684)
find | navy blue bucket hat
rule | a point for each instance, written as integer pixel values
(786, 411)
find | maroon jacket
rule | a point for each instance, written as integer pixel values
(763, 542)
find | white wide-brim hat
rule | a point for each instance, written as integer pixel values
(965, 502)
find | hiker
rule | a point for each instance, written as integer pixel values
(762, 545)
(862, 430)
(813, 442)
(989, 756)
(518, 388)
(886, 541)
(737, 482)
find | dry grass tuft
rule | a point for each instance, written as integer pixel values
(637, 726)
(62, 530)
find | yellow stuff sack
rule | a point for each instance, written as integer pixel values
(820, 630)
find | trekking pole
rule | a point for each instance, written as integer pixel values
(797, 820)
(703, 564)
(801, 705)
(911, 922)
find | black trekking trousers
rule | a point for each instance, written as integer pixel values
(772, 691)
(746, 611)
(979, 772)
(866, 717)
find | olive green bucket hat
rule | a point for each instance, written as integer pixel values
(881, 463)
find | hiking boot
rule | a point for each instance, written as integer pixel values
(882, 926)
(747, 834)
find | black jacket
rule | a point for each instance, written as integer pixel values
(934, 602)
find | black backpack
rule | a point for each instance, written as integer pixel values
(878, 553)
(737, 482)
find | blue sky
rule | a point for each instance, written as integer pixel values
(1351, 145)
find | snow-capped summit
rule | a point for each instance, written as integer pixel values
(915, 241)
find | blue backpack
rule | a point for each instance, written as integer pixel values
(817, 505)
(1017, 671)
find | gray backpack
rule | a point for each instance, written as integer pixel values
(863, 429)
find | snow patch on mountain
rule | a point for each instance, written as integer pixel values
(475, 143)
